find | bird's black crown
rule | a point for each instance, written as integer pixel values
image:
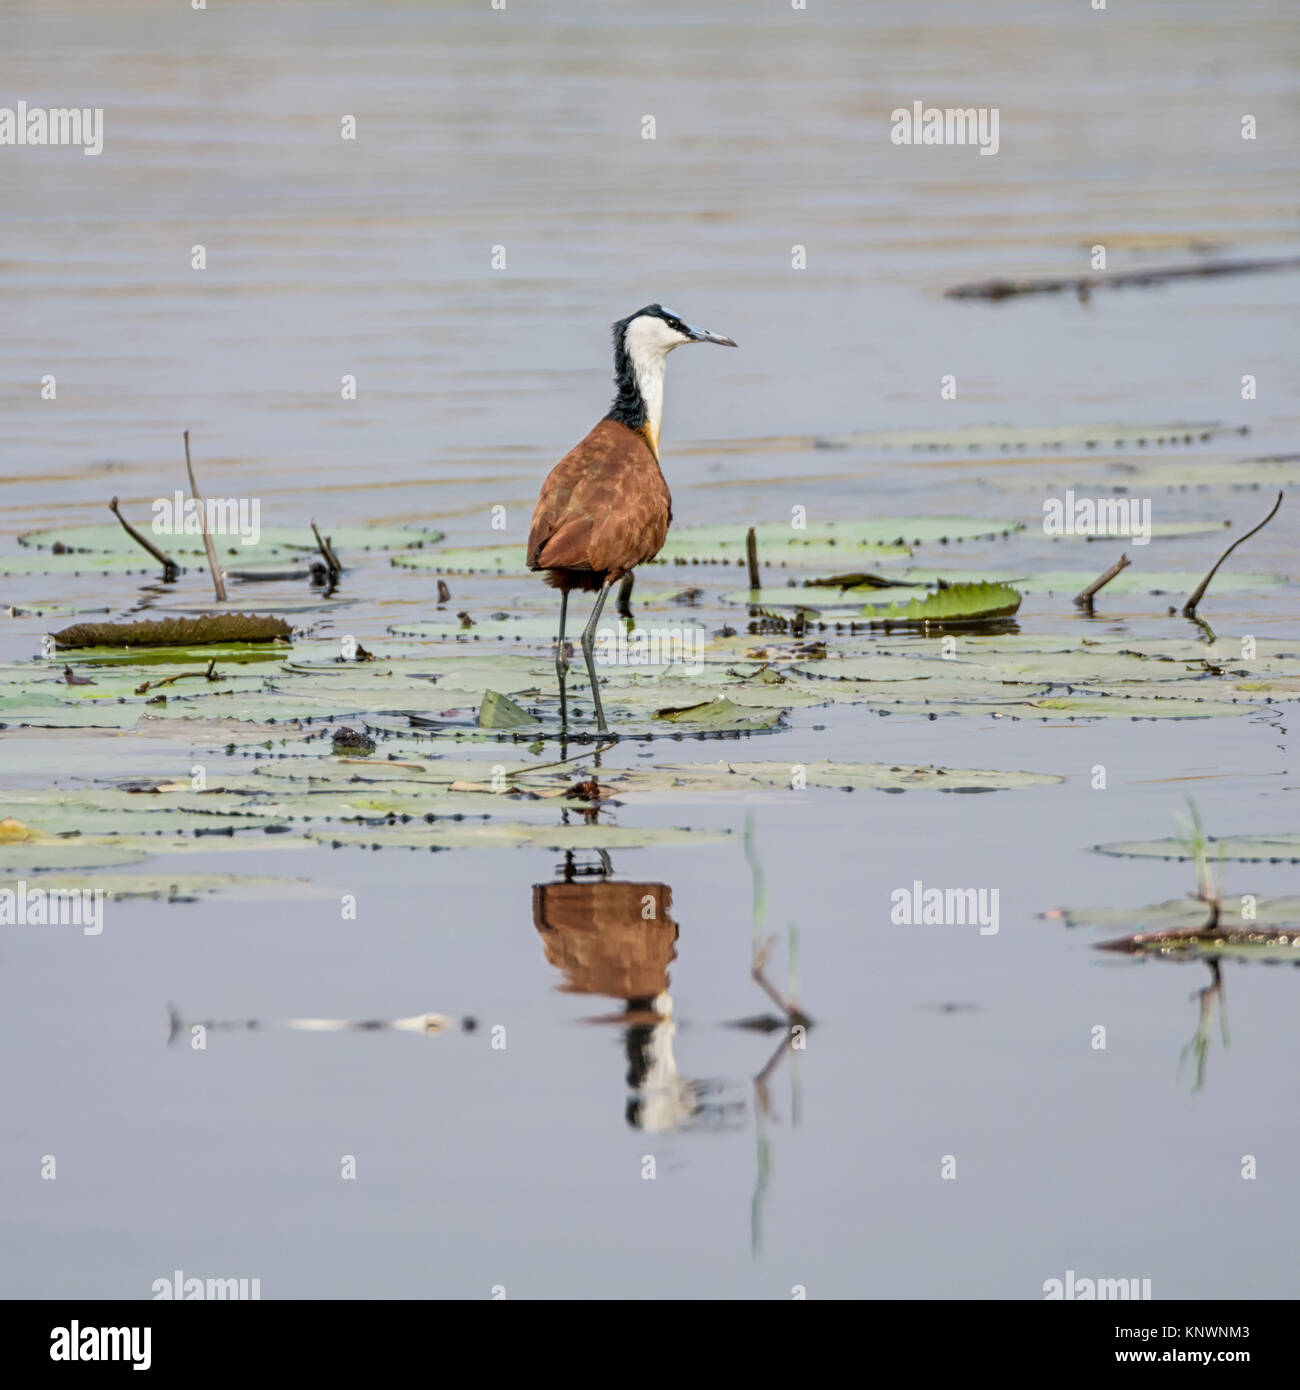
(654, 311)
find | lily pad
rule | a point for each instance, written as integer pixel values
(827, 543)
(738, 778)
(1255, 943)
(31, 856)
(47, 562)
(120, 887)
(1112, 706)
(108, 538)
(1167, 530)
(957, 606)
(500, 712)
(487, 559)
(509, 835)
(719, 714)
(1134, 580)
(1250, 849)
(1177, 915)
(1004, 438)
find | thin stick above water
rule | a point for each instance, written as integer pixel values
(1084, 598)
(218, 579)
(170, 568)
(327, 550)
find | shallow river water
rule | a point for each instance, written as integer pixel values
(935, 1049)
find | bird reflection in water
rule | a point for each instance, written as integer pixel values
(618, 939)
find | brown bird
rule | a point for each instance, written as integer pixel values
(605, 507)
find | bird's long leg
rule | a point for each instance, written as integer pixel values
(625, 595)
(588, 642)
(561, 661)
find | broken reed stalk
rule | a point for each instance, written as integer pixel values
(170, 568)
(751, 559)
(331, 560)
(1084, 598)
(1189, 608)
(210, 674)
(218, 579)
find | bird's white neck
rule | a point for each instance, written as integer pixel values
(648, 363)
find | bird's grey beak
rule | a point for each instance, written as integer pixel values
(702, 335)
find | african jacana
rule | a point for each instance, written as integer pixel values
(605, 507)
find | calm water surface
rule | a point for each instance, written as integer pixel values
(523, 1167)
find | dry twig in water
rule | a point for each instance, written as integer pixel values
(1085, 597)
(170, 568)
(218, 579)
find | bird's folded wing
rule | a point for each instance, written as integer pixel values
(605, 505)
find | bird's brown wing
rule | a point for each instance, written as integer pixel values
(604, 507)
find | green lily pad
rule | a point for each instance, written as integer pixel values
(224, 654)
(1134, 580)
(508, 835)
(840, 543)
(738, 778)
(1112, 706)
(46, 562)
(486, 559)
(119, 887)
(1004, 438)
(500, 712)
(814, 597)
(956, 606)
(1256, 943)
(1248, 849)
(1177, 915)
(108, 538)
(720, 714)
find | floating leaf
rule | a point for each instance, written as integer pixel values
(1244, 943)
(739, 779)
(719, 714)
(1110, 706)
(509, 835)
(31, 856)
(1249, 849)
(185, 887)
(500, 712)
(488, 559)
(108, 538)
(1004, 438)
(827, 543)
(1134, 580)
(1176, 915)
(50, 562)
(957, 606)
